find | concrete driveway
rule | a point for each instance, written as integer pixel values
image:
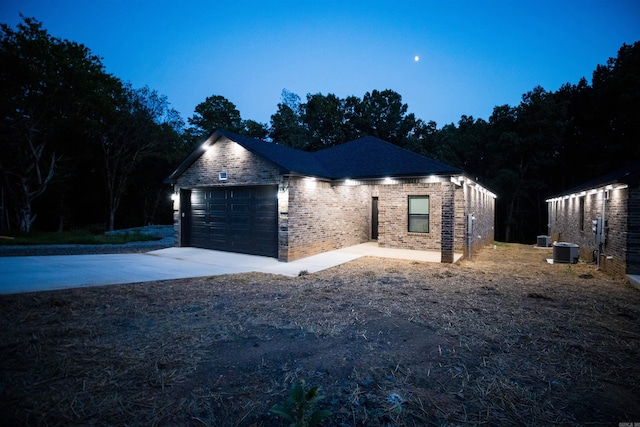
(45, 273)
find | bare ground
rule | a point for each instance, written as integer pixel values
(502, 339)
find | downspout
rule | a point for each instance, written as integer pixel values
(469, 236)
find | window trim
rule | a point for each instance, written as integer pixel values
(419, 215)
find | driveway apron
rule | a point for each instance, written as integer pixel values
(43, 273)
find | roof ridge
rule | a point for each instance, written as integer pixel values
(380, 150)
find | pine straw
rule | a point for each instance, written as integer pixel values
(502, 339)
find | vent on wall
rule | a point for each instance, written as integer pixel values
(564, 252)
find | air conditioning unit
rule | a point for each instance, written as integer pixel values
(544, 241)
(564, 252)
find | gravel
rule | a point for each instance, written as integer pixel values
(165, 232)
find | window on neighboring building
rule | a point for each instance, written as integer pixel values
(581, 201)
(418, 214)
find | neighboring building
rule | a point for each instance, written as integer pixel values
(235, 193)
(612, 200)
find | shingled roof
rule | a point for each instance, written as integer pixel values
(623, 175)
(370, 157)
(366, 157)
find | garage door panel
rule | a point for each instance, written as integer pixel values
(217, 207)
(239, 208)
(237, 219)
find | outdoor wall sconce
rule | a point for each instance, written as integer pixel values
(283, 187)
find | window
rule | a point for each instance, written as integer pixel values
(418, 214)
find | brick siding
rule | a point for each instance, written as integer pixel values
(633, 230)
(564, 225)
(393, 219)
(324, 217)
(481, 205)
(242, 168)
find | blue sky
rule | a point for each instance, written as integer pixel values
(474, 55)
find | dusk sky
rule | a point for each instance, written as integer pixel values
(473, 55)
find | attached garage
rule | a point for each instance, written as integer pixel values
(240, 194)
(235, 219)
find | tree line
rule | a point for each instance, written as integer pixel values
(80, 147)
(77, 145)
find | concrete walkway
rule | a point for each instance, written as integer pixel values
(43, 273)
(372, 249)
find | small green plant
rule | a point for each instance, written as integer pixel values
(300, 406)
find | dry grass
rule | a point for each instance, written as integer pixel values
(502, 339)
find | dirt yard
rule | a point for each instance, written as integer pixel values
(503, 339)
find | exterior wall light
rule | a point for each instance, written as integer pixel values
(588, 192)
(310, 182)
(457, 180)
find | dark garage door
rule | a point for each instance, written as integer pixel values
(235, 219)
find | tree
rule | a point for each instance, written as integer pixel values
(423, 139)
(254, 129)
(327, 120)
(616, 95)
(128, 136)
(148, 201)
(216, 112)
(382, 114)
(287, 127)
(324, 117)
(44, 84)
(507, 169)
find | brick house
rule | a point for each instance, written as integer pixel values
(240, 194)
(612, 200)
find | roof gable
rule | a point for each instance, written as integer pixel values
(366, 157)
(288, 159)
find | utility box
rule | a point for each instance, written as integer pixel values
(598, 230)
(470, 221)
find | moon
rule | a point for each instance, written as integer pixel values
(416, 58)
